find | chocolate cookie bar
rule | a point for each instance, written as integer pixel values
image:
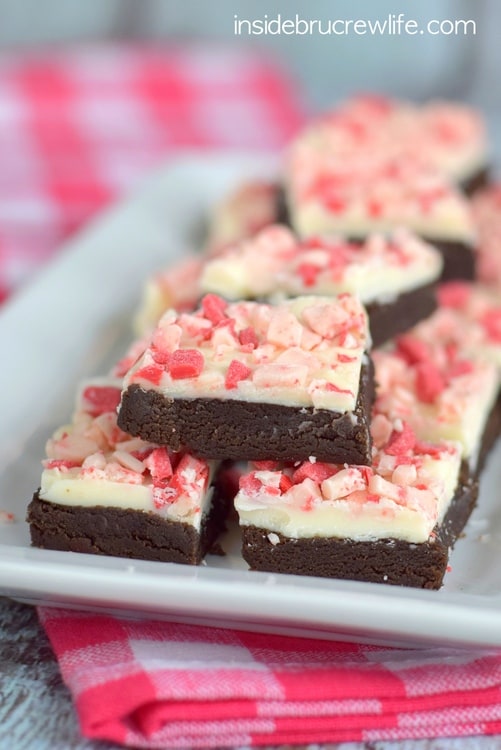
(392, 276)
(389, 523)
(106, 493)
(374, 165)
(249, 380)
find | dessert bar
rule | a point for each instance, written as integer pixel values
(374, 165)
(249, 380)
(391, 523)
(106, 493)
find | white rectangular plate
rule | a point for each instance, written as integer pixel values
(73, 321)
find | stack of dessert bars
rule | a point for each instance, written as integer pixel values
(331, 348)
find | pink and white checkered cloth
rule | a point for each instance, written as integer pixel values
(80, 126)
(161, 685)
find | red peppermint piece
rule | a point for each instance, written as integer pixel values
(454, 294)
(160, 356)
(428, 449)
(59, 463)
(336, 389)
(317, 472)
(334, 203)
(312, 243)
(159, 465)
(401, 442)
(285, 483)
(142, 455)
(374, 208)
(152, 373)
(345, 358)
(265, 465)
(412, 349)
(461, 367)
(429, 382)
(177, 486)
(214, 308)
(186, 363)
(308, 273)
(250, 484)
(491, 322)
(101, 399)
(248, 337)
(236, 372)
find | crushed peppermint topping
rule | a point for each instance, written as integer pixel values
(94, 447)
(402, 473)
(308, 349)
(320, 265)
(400, 164)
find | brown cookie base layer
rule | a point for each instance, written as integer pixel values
(390, 561)
(383, 561)
(123, 532)
(459, 259)
(389, 319)
(244, 430)
(476, 181)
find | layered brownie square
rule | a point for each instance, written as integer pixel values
(104, 492)
(393, 276)
(390, 523)
(373, 165)
(249, 380)
(435, 418)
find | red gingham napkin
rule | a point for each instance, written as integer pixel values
(79, 126)
(162, 685)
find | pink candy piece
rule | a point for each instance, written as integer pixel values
(401, 442)
(429, 382)
(411, 349)
(159, 465)
(454, 294)
(214, 307)
(248, 337)
(491, 321)
(236, 372)
(186, 363)
(152, 373)
(100, 399)
(316, 471)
